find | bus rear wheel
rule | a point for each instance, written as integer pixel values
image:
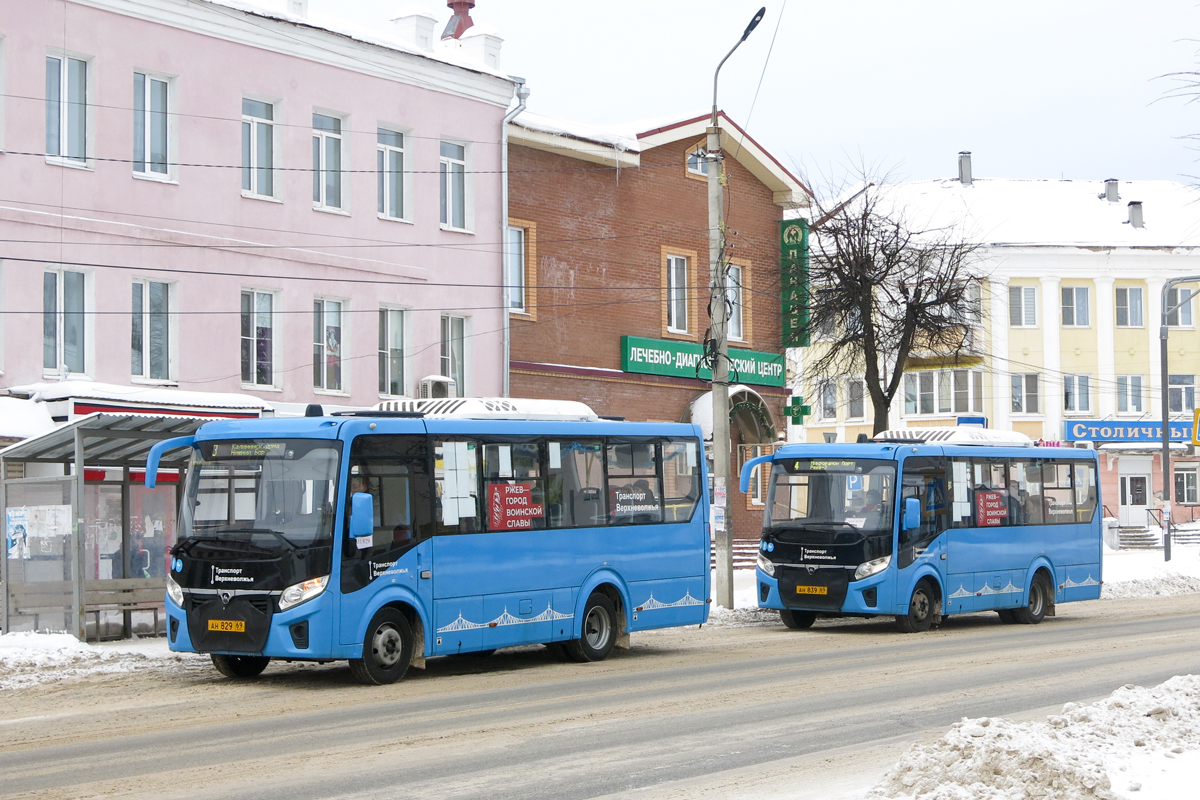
(1039, 597)
(921, 608)
(387, 649)
(599, 633)
(240, 667)
(797, 620)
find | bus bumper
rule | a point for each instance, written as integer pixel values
(862, 597)
(303, 632)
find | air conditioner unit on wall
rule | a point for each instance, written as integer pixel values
(433, 386)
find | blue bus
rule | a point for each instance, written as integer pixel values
(924, 523)
(463, 526)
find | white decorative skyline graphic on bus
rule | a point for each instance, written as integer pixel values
(463, 624)
(1070, 584)
(686, 600)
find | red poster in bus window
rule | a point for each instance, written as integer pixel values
(991, 508)
(511, 507)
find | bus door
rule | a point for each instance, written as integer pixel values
(925, 479)
(394, 470)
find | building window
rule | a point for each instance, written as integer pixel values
(855, 408)
(697, 161)
(391, 351)
(1022, 306)
(453, 344)
(514, 258)
(756, 474)
(327, 345)
(66, 108)
(258, 148)
(1075, 306)
(389, 164)
(677, 294)
(1129, 307)
(453, 175)
(733, 290)
(1185, 484)
(957, 391)
(1025, 394)
(63, 329)
(258, 338)
(829, 400)
(1181, 393)
(1129, 393)
(150, 97)
(327, 161)
(1180, 317)
(151, 339)
(1076, 393)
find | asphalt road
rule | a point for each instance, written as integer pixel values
(681, 708)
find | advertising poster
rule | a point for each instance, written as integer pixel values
(16, 527)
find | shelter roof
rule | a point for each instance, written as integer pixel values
(109, 440)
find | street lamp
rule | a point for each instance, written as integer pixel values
(720, 367)
(1166, 404)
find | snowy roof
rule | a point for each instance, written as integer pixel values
(146, 395)
(21, 419)
(1035, 213)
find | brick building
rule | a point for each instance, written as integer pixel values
(608, 272)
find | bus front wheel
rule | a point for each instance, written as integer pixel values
(387, 649)
(797, 620)
(1039, 597)
(921, 609)
(599, 631)
(240, 667)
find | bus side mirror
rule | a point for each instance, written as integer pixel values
(912, 513)
(362, 519)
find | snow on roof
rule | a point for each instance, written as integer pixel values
(150, 395)
(449, 53)
(619, 137)
(1034, 213)
(21, 419)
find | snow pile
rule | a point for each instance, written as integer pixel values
(1164, 586)
(1143, 573)
(1085, 752)
(30, 659)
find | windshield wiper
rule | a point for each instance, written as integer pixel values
(215, 535)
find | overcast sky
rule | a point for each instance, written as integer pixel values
(1045, 89)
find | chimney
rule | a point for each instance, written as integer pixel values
(1110, 191)
(414, 24)
(483, 45)
(1135, 213)
(964, 167)
(298, 8)
(461, 20)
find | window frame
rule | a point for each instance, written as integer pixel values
(1024, 396)
(1125, 394)
(384, 356)
(1182, 316)
(1186, 393)
(64, 117)
(1073, 308)
(147, 315)
(450, 364)
(677, 296)
(253, 168)
(86, 326)
(386, 177)
(1128, 307)
(736, 294)
(343, 376)
(862, 398)
(322, 139)
(450, 191)
(944, 392)
(1027, 306)
(1191, 488)
(168, 175)
(692, 153)
(273, 359)
(1077, 387)
(827, 398)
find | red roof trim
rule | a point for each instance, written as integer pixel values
(91, 408)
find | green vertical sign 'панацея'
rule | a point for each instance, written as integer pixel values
(680, 359)
(793, 281)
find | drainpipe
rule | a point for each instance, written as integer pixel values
(522, 92)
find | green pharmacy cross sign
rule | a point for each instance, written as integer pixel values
(796, 411)
(793, 281)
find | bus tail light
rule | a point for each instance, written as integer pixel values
(302, 592)
(872, 567)
(766, 566)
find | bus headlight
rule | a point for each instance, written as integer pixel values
(302, 592)
(174, 591)
(766, 566)
(873, 567)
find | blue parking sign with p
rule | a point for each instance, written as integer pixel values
(854, 483)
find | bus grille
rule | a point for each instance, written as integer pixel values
(832, 580)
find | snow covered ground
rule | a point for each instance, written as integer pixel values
(1139, 742)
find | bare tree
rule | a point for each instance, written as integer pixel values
(882, 292)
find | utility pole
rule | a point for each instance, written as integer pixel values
(1165, 387)
(718, 299)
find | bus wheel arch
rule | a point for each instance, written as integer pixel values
(924, 607)
(600, 627)
(608, 585)
(1039, 599)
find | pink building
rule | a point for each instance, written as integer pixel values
(209, 197)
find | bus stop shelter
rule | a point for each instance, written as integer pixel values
(86, 544)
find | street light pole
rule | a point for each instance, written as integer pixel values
(720, 368)
(1165, 386)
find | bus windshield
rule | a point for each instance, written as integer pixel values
(850, 495)
(269, 493)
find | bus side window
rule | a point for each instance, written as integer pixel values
(1029, 481)
(1086, 494)
(575, 484)
(634, 490)
(456, 481)
(394, 471)
(925, 480)
(514, 487)
(1058, 495)
(681, 479)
